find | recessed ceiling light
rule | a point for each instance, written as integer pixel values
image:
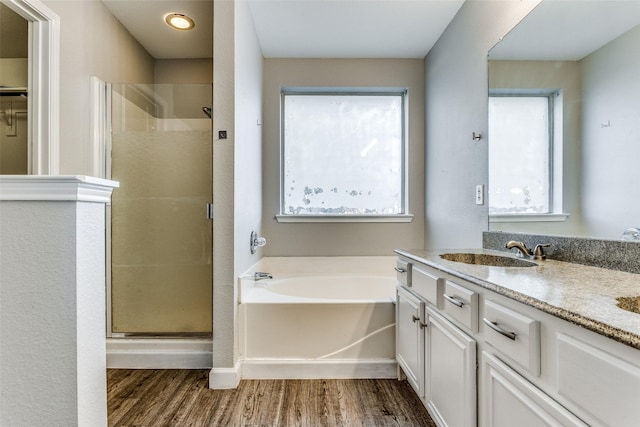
(179, 21)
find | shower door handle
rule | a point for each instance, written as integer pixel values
(209, 210)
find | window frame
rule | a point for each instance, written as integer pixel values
(404, 216)
(555, 129)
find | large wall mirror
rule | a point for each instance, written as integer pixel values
(29, 88)
(564, 109)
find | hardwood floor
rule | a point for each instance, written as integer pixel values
(181, 398)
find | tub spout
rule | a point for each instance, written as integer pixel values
(259, 275)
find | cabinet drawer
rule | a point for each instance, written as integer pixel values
(461, 304)
(427, 285)
(513, 335)
(403, 272)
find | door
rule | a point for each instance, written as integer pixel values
(161, 238)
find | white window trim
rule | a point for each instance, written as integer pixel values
(549, 217)
(557, 214)
(404, 217)
(344, 218)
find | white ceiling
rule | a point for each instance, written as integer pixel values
(297, 28)
(568, 30)
(350, 28)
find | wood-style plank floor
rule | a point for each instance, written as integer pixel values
(182, 398)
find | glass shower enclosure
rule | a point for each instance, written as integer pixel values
(161, 237)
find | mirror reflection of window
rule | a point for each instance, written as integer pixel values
(520, 159)
(13, 93)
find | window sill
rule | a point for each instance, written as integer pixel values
(552, 217)
(344, 218)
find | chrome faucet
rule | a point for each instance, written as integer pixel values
(538, 251)
(632, 233)
(259, 275)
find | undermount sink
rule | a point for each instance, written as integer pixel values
(490, 260)
(631, 304)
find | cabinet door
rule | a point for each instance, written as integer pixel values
(598, 382)
(409, 337)
(450, 373)
(509, 399)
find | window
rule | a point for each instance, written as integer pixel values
(524, 180)
(343, 154)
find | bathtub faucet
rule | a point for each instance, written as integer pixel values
(259, 275)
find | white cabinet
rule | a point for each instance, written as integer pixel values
(535, 369)
(410, 337)
(510, 400)
(450, 373)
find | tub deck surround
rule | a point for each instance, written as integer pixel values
(375, 265)
(315, 288)
(332, 270)
(583, 295)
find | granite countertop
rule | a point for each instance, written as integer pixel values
(580, 294)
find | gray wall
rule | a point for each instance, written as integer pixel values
(173, 71)
(335, 239)
(237, 178)
(456, 105)
(92, 43)
(611, 93)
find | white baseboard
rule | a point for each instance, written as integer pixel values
(315, 369)
(159, 353)
(224, 378)
(178, 353)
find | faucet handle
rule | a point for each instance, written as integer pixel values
(538, 252)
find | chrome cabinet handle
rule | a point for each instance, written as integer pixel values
(498, 329)
(453, 300)
(400, 270)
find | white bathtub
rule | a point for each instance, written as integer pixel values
(300, 289)
(319, 318)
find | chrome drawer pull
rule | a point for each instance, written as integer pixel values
(498, 329)
(453, 300)
(400, 270)
(414, 319)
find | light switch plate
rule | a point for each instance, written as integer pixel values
(479, 194)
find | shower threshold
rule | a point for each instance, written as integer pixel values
(151, 335)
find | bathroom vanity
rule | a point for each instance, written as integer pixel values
(493, 345)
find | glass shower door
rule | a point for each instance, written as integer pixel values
(161, 239)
